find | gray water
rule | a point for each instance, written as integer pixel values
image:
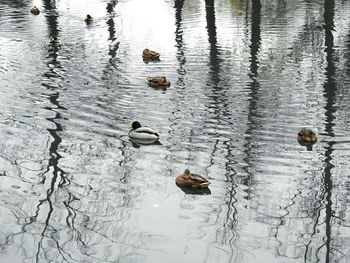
(244, 80)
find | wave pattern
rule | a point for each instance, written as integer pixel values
(244, 80)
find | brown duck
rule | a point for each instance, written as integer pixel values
(306, 135)
(189, 179)
(158, 81)
(150, 54)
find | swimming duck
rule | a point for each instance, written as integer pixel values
(158, 81)
(142, 134)
(88, 19)
(54, 40)
(150, 54)
(189, 179)
(35, 10)
(306, 135)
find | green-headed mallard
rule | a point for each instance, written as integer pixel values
(35, 11)
(188, 179)
(143, 134)
(306, 135)
(158, 81)
(150, 54)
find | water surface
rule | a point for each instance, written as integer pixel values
(74, 188)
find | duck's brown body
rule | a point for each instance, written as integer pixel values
(158, 81)
(307, 136)
(189, 179)
(150, 54)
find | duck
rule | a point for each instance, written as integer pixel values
(306, 135)
(88, 19)
(35, 10)
(54, 40)
(144, 135)
(150, 54)
(188, 179)
(158, 81)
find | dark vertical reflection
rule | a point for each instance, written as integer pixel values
(113, 48)
(220, 103)
(180, 55)
(329, 93)
(51, 78)
(114, 45)
(256, 5)
(347, 55)
(181, 58)
(111, 28)
(255, 42)
(211, 29)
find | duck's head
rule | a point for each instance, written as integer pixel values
(187, 171)
(135, 125)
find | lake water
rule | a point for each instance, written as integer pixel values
(244, 80)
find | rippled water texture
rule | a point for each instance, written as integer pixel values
(244, 80)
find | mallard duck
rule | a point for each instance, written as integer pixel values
(88, 19)
(158, 81)
(150, 54)
(142, 134)
(306, 135)
(189, 179)
(35, 10)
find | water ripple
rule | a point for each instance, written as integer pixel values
(243, 82)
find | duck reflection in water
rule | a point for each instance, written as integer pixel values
(194, 191)
(137, 143)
